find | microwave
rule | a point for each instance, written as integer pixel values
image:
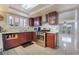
(37, 29)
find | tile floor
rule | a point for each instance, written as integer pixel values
(35, 49)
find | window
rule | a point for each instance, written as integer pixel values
(17, 20)
(24, 22)
(14, 20)
(11, 20)
(21, 22)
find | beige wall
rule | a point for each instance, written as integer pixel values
(4, 10)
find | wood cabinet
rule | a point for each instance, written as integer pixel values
(4, 41)
(10, 42)
(53, 18)
(28, 36)
(31, 21)
(34, 37)
(22, 37)
(35, 21)
(51, 40)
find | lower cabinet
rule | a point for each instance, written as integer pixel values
(34, 37)
(51, 40)
(22, 37)
(11, 43)
(12, 40)
(28, 36)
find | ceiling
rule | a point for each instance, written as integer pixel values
(19, 10)
(19, 7)
(40, 9)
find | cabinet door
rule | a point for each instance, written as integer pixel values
(13, 43)
(22, 38)
(28, 36)
(31, 22)
(34, 37)
(51, 40)
(52, 18)
(37, 21)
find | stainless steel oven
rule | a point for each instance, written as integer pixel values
(41, 40)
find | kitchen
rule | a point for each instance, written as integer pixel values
(45, 25)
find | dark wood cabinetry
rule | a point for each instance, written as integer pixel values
(10, 40)
(53, 18)
(15, 39)
(22, 37)
(31, 21)
(29, 36)
(35, 21)
(4, 41)
(12, 43)
(51, 40)
(34, 37)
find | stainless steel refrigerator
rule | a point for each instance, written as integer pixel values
(66, 35)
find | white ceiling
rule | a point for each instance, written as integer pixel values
(27, 11)
(40, 9)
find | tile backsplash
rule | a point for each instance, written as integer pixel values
(53, 28)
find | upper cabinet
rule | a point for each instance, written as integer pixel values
(35, 21)
(52, 18)
(31, 21)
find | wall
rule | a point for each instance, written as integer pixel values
(4, 10)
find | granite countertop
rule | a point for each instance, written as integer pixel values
(16, 32)
(52, 32)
